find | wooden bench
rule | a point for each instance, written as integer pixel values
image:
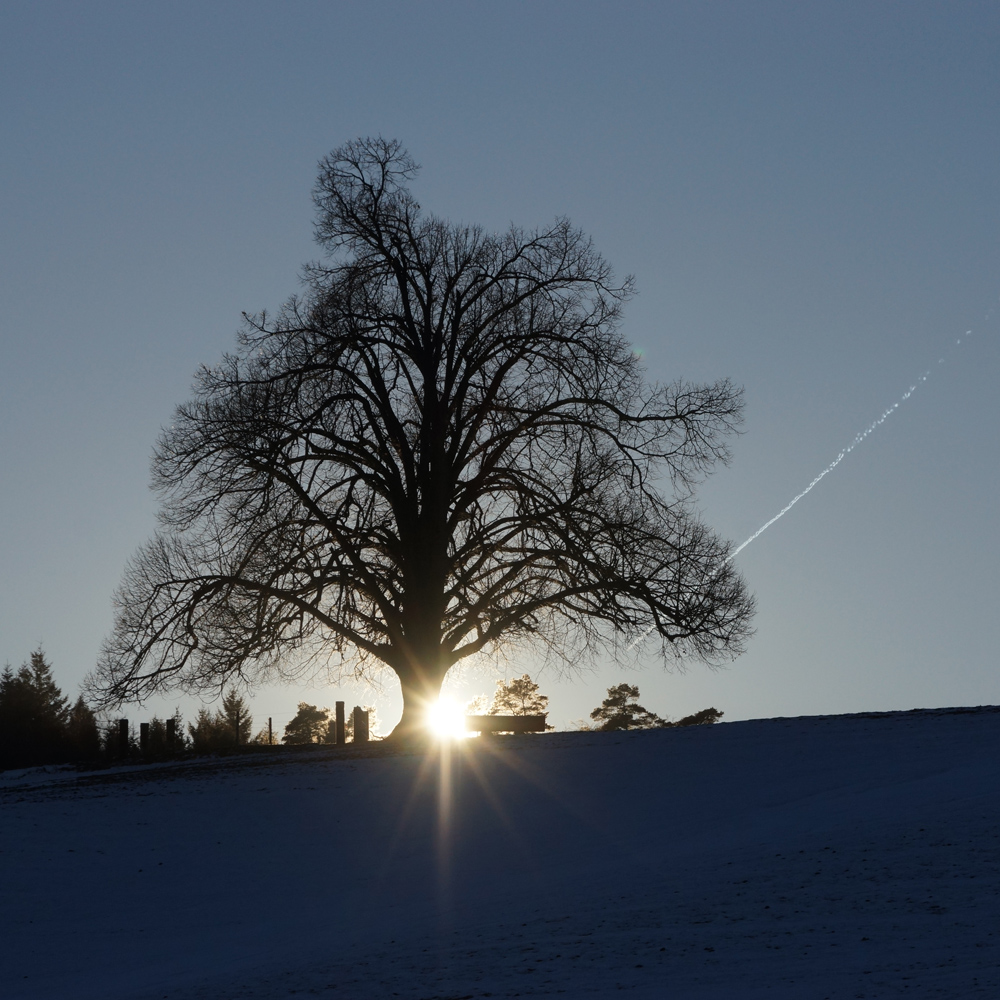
(487, 725)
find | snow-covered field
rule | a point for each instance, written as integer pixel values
(851, 856)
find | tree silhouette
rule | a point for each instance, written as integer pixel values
(443, 447)
(33, 715)
(706, 717)
(162, 742)
(230, 725)
(309, 725)
(235, 714)
(206, 733)
(83, 738)
(621, 710)
(318, 725)
(111, 744)
(519, 696)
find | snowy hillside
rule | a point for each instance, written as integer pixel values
(851, 856)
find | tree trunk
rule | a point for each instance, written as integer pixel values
(419, 693)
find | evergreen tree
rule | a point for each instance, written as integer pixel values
(159, 740)
(206, 733)
(519, 696)
(235, 715)
(83, 739)
(310, 725)
(111, 741)
(33, 715)
(209, 732)
(706, 717)
(52, 708)
(181, 741)
(621, 710)
(264, 737)
(229, 726)
(12, 711)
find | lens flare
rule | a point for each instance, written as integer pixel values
(446, 719)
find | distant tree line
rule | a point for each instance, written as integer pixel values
(621, 710)
(37, 723)
(229, 725)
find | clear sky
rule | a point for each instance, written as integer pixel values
(807, 193)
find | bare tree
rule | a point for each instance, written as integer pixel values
(442, 447)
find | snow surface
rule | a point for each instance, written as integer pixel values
(846, 856)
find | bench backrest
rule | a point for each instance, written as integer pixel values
(505, 723)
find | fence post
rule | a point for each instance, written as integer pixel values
(341, 728)
(123, 737)
(144, 737)
(270, 734)
(360, 725)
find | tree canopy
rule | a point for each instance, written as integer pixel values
(519, 696)
(441, 447)
(706, 717)
(621, 710)
(309, 725)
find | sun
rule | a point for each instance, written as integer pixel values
(446, 719)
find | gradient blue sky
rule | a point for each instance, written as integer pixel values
(807, 194)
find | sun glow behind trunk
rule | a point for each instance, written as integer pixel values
(446, 719)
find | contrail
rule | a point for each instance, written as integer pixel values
(833, 465)
(858, 438)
